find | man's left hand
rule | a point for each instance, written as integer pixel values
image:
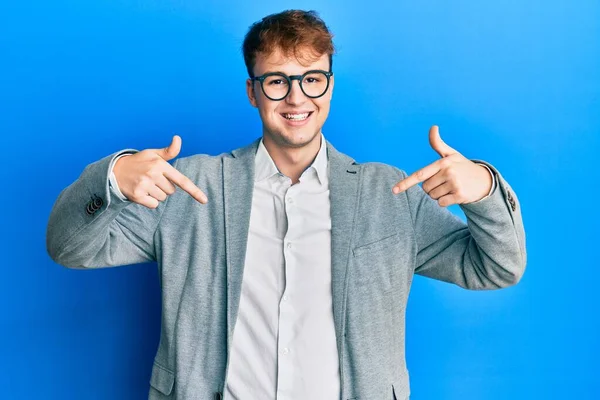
(453, 179)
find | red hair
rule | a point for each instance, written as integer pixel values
(297, 33)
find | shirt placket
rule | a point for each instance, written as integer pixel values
(286, 350)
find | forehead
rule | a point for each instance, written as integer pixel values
(290, 64)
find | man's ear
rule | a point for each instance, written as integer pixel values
(331, 82)
(250, 92)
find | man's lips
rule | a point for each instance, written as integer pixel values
(296, 115)
(296, 119)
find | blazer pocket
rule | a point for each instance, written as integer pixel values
(377, 246)
(162, 379)
(373, 264)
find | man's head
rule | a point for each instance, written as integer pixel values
(292, 43)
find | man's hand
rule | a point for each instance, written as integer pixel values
(147, 178)
(453, 179)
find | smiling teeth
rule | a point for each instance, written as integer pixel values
(296, 117)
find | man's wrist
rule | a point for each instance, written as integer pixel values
(493, 180)
(112, 179)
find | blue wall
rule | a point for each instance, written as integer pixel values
(516, 83)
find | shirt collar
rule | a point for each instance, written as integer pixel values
(264, 166)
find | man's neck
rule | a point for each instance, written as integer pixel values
(290, 161)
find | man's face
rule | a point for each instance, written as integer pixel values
(275, 115)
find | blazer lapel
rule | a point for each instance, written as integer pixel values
(344, 178)
(238, 186)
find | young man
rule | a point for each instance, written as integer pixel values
(285, 265)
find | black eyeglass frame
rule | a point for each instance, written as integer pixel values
(289, 79)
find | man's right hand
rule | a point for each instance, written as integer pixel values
(147, 178)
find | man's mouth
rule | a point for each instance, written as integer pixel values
(296, 116)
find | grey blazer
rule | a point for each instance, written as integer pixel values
(379, 240)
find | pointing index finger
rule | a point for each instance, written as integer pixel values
(185, 183)
(416, 177)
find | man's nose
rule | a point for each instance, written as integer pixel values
(295, 96)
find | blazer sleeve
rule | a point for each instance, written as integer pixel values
(90, 226)
(487, 252)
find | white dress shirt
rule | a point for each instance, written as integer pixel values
(284, 344)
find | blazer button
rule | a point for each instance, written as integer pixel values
(94, 204)
(89, 208)
(511, 200)
(97, 201)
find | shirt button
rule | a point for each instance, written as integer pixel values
(285, 350)
(290, 200)
(285, 298)
(289, 245)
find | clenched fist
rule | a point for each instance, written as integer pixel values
(147, 178)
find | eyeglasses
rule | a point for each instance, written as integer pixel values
(276, 86)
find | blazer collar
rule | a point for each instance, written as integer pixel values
(264, 166)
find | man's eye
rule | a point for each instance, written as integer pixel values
(311, 80)
(276, 82)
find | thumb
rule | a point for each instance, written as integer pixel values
(438, 144)
(172, 150)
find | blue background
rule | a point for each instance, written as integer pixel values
(514, 83)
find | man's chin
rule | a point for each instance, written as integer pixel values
(294, 138)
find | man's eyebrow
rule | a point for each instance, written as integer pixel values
(275, 72)
(283, 73)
